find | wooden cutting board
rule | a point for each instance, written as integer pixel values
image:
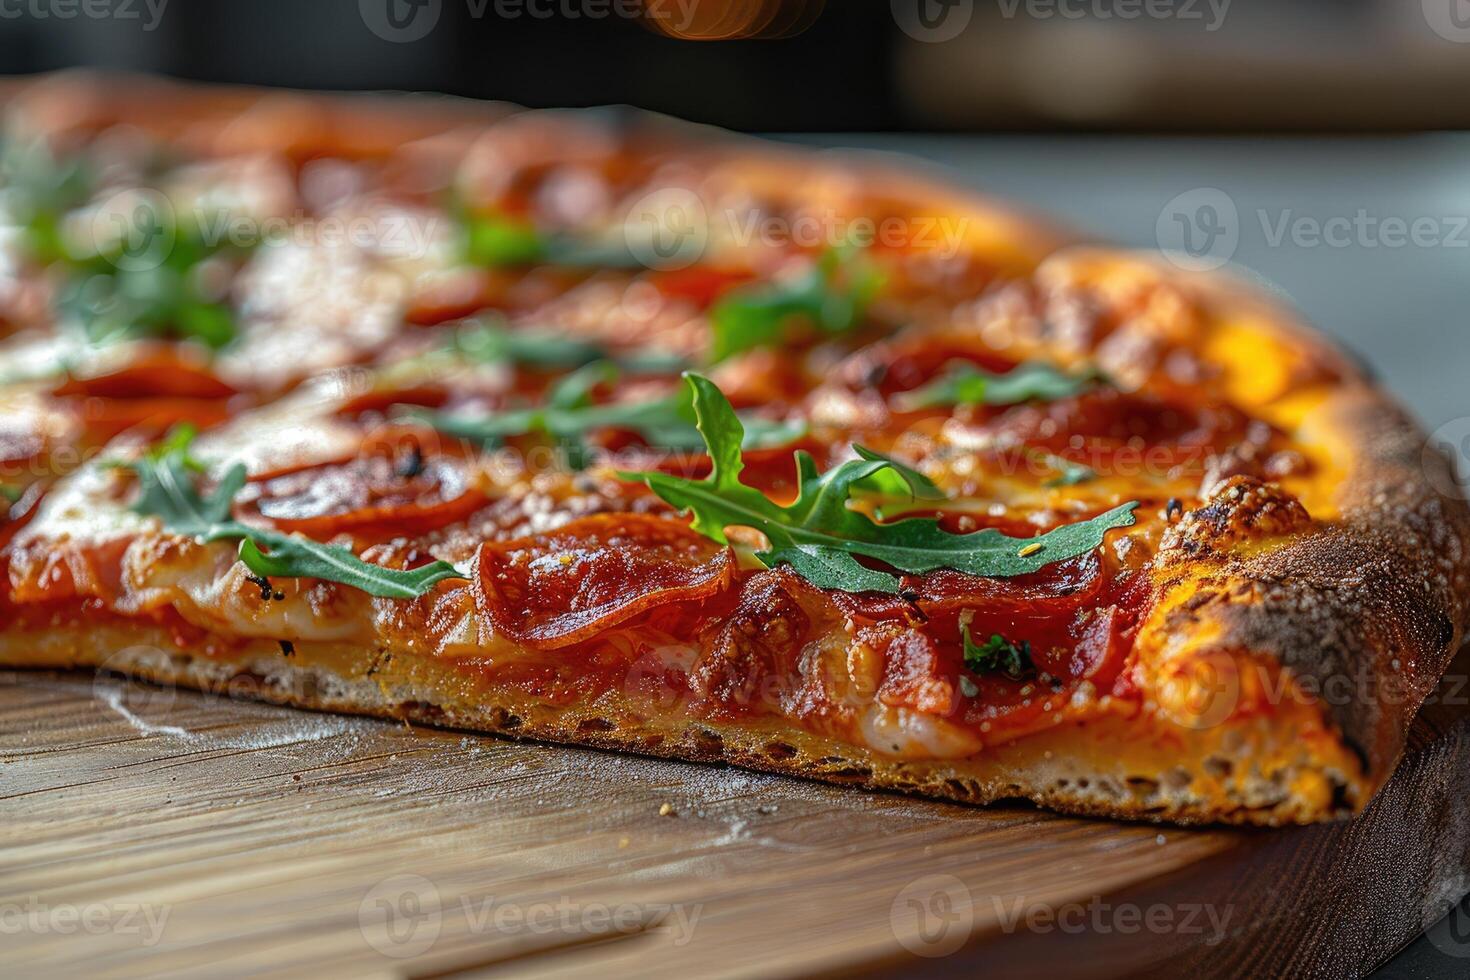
(158, 832)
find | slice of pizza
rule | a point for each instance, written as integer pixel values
(621, 435)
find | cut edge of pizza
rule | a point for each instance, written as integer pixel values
(1287, 629)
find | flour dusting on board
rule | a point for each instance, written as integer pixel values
(114, 700)
(714, 809)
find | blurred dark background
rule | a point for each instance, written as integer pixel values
(809, 65)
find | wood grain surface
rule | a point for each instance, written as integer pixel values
(169, 833)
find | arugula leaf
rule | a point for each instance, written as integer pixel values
(41, 189)
(1069, 474)
(494, 239)
(897, 480)
(574, 390)
(488, 341)
(109, 299)
(833, 296)
(168, 491)
(297, 557)
(965, 384)
(568, 416)
(118, 305)
(177, 443)
(997, 655)
(821, 537)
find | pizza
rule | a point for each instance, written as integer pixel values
(604, 430)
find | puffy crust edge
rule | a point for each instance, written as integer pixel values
(1368, 606)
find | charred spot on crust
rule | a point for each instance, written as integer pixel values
(1241, 509)
(779, 751)
(1446, 632)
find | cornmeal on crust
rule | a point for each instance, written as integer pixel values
(1251, 649)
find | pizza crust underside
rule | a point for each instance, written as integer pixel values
(1244, 773)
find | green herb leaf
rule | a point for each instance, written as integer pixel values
(168, 491)
(490, 342)
(832, 296)
(177, 443)
(997, 655)
(10, 493)
(568, 417)
(493, 239)
(822, 537)
(292, 556)
(965, 384)
(574, 390)
(1069, 474)
(487, 342)
(897, 480)
(41, 189)
(108, 299)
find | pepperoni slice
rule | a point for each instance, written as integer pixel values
(700, 285)
(1106, 419)
(919, 674)
(104, 418)
(381, 493)
(561, 588)
(158, 374)
(158, 389)
(454, 296)
(427, 396)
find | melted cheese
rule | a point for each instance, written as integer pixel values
(308, 306)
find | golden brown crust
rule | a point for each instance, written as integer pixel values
(1367, 607)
